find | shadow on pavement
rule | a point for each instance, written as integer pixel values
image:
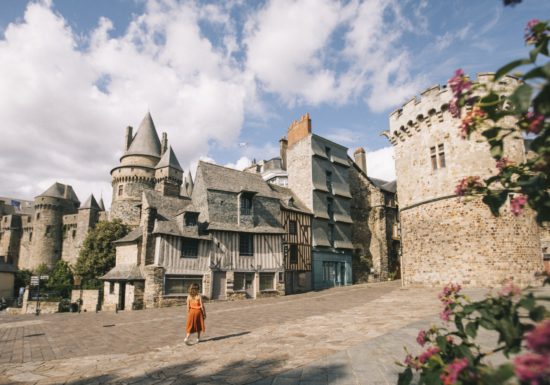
(257, 372)
(224, 337)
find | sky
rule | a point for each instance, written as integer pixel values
(224, 79)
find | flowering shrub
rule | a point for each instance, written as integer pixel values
(452, 356)
(483, 109)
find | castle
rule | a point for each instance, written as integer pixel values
(444, 238)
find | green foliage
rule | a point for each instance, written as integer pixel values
(22, 279)
(97, 255)
(61, 278)
(526, 183)
(452, 355)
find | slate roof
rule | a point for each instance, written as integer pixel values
(285, 195)
(172, 228)
(132, 236)
(167, 207)
(101, 204)
(227, 179)
(381, 184)
(146, 141)
(124, 273)
(90, 203)
(169, 160)
(248, 229)
(58, 190)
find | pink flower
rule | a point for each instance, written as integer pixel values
(503, 162)
(468, 184)
(459, 83)
(538, 339)
(421, 338)
(533, 122)
(452, 371)
(471, 121)
(509, 290)
(425, 356)
(445, 315)
(532, 368)
(532, 36)
(517, 203)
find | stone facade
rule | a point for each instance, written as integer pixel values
(90, 299)
(444, 238)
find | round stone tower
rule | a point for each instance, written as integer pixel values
(49, 208)
(444, 238)
(136, 171)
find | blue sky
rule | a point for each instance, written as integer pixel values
(225, 79)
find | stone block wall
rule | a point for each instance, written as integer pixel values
(110, 300)
(154, 284)
(461, 241)
(90, 299)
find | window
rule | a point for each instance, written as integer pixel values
(179, 284)
(327, 152)
(245, 244)
(74, 233)
(330, 208)
(243, 281)
(191, 219)
(28, 219)
(30, 236)
(437, 157)
(292, 228)
(294, 254)
(48, 230)
(329, 180)
(37, 216)
(246, 204)
(120, 189)
(190, 247)
(441, 155)
(266, 281)
(331, 234)
(329, 271)
(111, 287)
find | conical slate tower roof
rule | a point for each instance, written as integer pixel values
(169, 160)
(58, 190)
(101, 204)
(90, 203)
(146, 141)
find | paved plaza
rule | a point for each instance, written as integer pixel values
(350, 335)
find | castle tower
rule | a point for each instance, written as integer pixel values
(168, 174)
(444, 238)
(49, 208)
(136, 171)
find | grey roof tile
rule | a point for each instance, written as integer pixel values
(132, 236)
(289, 200)
(59, 190)
(90, 203)
(101, 204)
(169, 160)
(146, 141)
(167, 207)
(124, 273)
(242, 229)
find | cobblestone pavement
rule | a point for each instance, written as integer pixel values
(350, 335)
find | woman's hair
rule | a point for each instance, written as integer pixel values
(193, 289)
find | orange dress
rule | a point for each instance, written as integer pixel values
(195, 318)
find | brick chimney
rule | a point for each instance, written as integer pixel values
(128, 140)
(361, 159)
(283, 145)
(299, 129)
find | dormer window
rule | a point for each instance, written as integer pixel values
(191, 219)
(246, 204)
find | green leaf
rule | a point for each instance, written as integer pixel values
(537, 314)
(510, 66)
(538, 72)
(471, 329)
(528, 302)
(486, 324)
(521, 97)
(542, 100)
(405, 377)
(497, 148)
(499, 376)
(495, 200)
(491, 133)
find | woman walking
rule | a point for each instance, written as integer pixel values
(195, 313)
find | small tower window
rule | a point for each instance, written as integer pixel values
(37, 216)
(48, 230)
(437, 156)
(30, 236)
(73, 233)
(120, 189)
(441, 155)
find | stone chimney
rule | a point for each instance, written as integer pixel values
(299, 129)
(163, 143)
(361, 159)
(129, 138)
(283, 145)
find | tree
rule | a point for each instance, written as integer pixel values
(22, 279)
(526, 183)
(61, 279)
(97, 255)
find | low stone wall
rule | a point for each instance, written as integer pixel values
(169, 301)
(45, 307)
(236, 295)
(90, 299)
(268, 294)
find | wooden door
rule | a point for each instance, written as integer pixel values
(218, 285)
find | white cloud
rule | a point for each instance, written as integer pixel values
(381, 164)
(241, 164)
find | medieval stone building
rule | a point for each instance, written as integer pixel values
(444, 238)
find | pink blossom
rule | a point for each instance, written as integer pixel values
(503, 162)
(425, 356)
(538, 339)
(471, 121)
(531, 35)
(509, 290)
(421, 338)
(452, 371)
(517, 203)
(459, 83)
(470, 183)
(411, 362)
(454, 108)
(532, 368)
(534, 122)
(445, 315)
